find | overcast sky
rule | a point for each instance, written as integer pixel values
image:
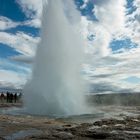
(111, 29)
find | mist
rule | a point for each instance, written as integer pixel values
(56, 86)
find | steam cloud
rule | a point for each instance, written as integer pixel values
(56, 87)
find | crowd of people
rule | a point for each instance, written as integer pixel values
(10, 97)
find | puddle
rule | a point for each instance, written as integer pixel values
(83, 118)
(22, 134)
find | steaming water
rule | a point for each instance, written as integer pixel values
(56, 87)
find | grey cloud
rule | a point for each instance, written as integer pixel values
(108, 87)
(7, 85)
(100, 2)
(22, 58)
(102, 76)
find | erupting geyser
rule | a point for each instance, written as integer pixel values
(56, 86)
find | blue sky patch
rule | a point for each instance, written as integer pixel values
(26, 29)
(87, 11)
(127, 44)
(6, 51)
(10, 9)
(133, 80)
(7, 64)
(130, 7)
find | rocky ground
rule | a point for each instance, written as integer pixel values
(43, 128)
(8, 105)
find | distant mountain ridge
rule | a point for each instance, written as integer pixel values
(10, 90)
(127, 99)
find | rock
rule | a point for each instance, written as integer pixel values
(114, 132)
(94, 128)
(135, 120)
(63, 135)
(71, 128)
(97, 134)
(137, 128)
(104, 126)
(119, 126)
(2, 138)
(132, 132)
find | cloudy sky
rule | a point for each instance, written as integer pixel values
(111, 29)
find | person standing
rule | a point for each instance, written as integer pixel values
(15, 97)
(8, 97)
(2, 97)
(11, 97)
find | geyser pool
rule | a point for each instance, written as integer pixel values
(56, 86)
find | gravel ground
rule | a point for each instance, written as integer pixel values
(24, 127)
